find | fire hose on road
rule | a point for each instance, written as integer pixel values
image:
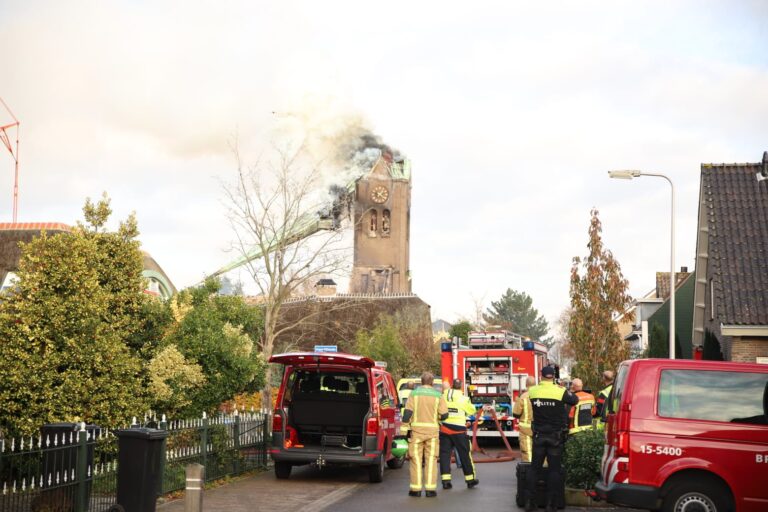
(507, 456)
(502, 457)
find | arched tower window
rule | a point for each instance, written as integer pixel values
(385, 222)
(374, 222)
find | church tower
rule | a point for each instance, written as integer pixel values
(382, 218)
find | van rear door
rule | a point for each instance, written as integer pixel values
(323, 358)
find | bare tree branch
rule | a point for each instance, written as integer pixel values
(273, 209)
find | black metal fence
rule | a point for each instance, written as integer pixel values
(225, 445)
(67, 470)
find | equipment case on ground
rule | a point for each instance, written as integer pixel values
(541, 487)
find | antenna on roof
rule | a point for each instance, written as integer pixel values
(763, 174)
(5, 138)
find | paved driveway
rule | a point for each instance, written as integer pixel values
(348, 490)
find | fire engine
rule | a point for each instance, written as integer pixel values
(493, 367)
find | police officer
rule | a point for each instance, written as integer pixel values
(426, 407)
(580, 416)
(524, 414)
(453, 434)
(602, 397)
(548, 402)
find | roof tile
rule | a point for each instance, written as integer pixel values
(737, 205)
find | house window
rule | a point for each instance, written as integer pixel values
(711, 301)
(385, 222)
(9, 281)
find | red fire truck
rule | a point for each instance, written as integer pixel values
(493, 367)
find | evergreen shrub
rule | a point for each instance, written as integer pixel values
(582, 457)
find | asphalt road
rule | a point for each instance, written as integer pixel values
(346, 489)
(496, 491)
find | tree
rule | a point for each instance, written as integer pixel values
(658, 343)
(423, 352)
(400, 341)
(477, 313)
(515, 311)
(228, 287)
(64, 328)
(561, 351)
(382, 343)
(598, 293)
(461, 330)
(173, 380)
(215, 333)
(712, 350)
(274, 207)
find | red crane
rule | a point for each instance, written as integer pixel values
(6, 139)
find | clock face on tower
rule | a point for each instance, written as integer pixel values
(379, 194)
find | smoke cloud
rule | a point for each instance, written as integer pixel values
(337, 138)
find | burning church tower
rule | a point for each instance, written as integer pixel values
(382, 218)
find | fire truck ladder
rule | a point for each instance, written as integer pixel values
(306, 226)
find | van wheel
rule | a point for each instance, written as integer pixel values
(376, 471)
(282, 470)
(704, 495)
(396, 462)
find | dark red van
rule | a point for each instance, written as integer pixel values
(334, 408)
(687, 436)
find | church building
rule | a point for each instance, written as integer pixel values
(382, 218)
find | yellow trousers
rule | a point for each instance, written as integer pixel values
(422, 449)
(526, 447)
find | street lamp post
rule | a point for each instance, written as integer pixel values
(628, 175)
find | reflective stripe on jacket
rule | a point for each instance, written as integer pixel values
(580, 416)
(459, 407)
(602, 398)
(523, 412)
(427, 405)
(548, 403)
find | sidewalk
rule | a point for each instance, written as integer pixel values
(264, 492)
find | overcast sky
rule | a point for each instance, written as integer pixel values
(511, 113)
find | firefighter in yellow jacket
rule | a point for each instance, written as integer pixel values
(425, 409)
(453, 435)
(601, 406)
(524, 414)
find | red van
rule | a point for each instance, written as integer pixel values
(686, 435)
(334, 408)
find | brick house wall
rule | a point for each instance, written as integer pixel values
(747, 350)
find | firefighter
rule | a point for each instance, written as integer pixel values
(602, 397)
(548, 402)
(453, 435)
(580, 416)
(426, 407)
(524, 414)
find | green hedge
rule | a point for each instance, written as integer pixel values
(582, 457)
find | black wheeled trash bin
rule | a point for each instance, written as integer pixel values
(139, 466)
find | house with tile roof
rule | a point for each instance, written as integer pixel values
(731, 287)
(683, 312)
(13, 233)
(645, 309)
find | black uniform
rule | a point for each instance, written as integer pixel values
(550, 421)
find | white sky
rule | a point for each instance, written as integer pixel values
(510, 112)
